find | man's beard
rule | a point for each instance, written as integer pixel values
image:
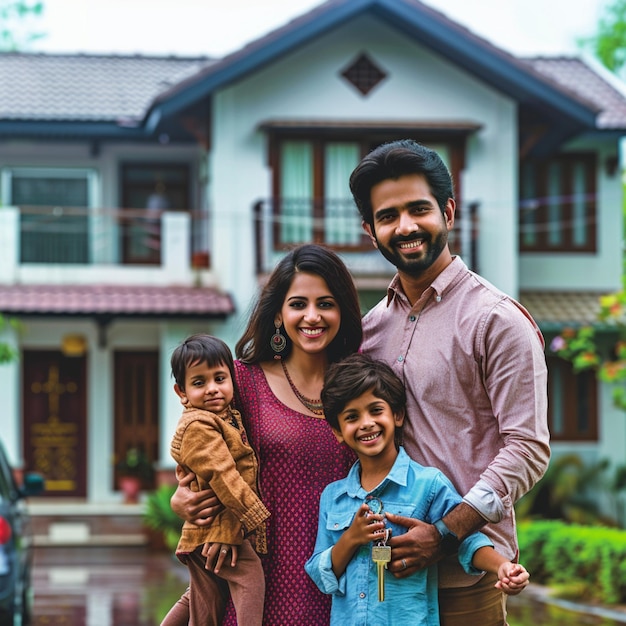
(415, 266)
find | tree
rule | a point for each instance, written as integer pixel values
(16, 20)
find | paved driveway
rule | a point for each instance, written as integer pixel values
(104, 586)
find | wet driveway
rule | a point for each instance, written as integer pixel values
(103, 586)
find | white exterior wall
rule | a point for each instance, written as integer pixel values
(308, 85)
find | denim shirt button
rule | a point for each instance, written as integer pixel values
(361, 595)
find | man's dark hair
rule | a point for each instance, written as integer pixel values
(356, 374)
(393, 160)
(200, 349)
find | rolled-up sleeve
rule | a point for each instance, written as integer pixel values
(515, 378)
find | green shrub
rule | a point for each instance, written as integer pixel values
(581, 560)
(159, 515)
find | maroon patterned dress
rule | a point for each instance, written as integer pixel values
(298, 456)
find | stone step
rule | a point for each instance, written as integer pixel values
(87, 524)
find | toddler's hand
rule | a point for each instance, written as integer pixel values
(513, 578)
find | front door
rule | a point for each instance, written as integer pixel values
(54, 399)
(136, 407)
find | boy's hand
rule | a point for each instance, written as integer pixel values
(197, 507)
(513, 577)
(216, 554)
(366, 526)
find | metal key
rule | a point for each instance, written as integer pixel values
(381, 555)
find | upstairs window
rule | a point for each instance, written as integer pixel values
(311, 195)
(54, 205)
(558, 204)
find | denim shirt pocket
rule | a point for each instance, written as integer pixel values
(338, 521)
(406, 509)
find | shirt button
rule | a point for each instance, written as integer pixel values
(400, 359)
(336, 525)
(412, 318)
(361, 595)
(438, 299)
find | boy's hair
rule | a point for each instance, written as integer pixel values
(355, 375)
(392, 160)
(200, 349)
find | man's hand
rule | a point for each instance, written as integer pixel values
(414, 550)
(197, 507)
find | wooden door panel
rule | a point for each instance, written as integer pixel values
(54, 400)
(136, 406)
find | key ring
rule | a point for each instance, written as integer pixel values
(375, 504)
(385, 539)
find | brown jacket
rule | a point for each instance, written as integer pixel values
(216, 449)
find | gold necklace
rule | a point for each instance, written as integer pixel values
(315, 406)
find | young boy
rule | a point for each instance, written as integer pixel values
(364, 403)
(211, 442)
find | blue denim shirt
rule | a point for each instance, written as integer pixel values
(410, 490)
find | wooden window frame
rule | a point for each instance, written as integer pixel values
(572, 389)
(540, 205)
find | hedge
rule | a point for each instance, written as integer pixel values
(590, 559)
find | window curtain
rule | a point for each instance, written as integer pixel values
(342, 221)
(296, 192)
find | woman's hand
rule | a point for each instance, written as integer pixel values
(216, 554)
(197, 507)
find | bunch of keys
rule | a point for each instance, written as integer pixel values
(381, 552)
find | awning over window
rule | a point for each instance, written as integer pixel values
(114, 301)
(553, 310)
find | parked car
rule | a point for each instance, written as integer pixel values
(15, 544)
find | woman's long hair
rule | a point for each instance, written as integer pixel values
(254, 345)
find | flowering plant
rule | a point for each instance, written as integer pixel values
(580, 346)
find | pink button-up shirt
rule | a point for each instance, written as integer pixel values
(473, 365)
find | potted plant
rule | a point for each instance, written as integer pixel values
(134, 471)
(158, 515)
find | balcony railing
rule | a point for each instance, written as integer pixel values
(67, 235)
(283, 222)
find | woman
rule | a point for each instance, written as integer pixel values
(307, 316)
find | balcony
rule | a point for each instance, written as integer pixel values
(281, 223)
(38, 244)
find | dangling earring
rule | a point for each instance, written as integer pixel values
(278, 341)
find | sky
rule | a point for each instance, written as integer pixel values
(216, 27)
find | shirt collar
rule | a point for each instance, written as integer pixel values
(445, 279)
(398, 475)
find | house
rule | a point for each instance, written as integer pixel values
(146, 198)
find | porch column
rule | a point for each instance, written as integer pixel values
(9, 244)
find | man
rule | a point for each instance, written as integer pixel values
(473, 364)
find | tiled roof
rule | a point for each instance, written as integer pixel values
(576, 75)
(123, 89)
(114, 300)
(567, 308)
(86, 87)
